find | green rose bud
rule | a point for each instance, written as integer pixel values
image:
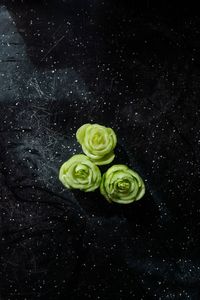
(80, 173)
(98, 142)
(122, 185)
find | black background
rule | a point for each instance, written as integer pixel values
(135, 68)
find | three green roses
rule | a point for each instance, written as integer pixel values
(118, 184)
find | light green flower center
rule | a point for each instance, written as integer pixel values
(98, 139)
(81, 172)
(123, 185)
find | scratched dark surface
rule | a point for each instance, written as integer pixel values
(137, 70)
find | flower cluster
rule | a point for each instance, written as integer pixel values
(118, 184)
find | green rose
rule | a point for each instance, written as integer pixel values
(80, 173)
(98, 142)
(122, 185)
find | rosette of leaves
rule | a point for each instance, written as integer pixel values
(98, 142)
(122, 185)
(79, 172)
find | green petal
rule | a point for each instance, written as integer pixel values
(113, 136)
(80, 134)
(115, 168)
(142, 192)
(105, 160)
(103, 190)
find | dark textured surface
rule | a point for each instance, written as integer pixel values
(135, 69)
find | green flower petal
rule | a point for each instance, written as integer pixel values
(107, 159)
(98, 142)
(80, 173)
(80, 134)
(122, 185)
(103, 189)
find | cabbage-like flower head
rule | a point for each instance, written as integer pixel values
(79, 172)
(122, 185)
(98, 142)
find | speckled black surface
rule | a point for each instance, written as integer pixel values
(135, 69)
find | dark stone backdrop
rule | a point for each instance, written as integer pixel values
(136, 69)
